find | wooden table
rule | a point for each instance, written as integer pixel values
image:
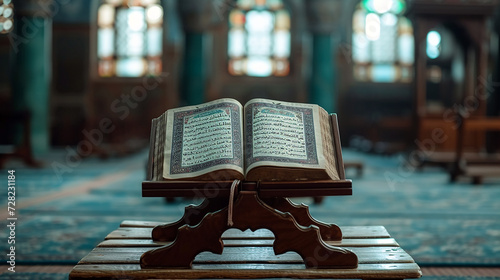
(246, 255)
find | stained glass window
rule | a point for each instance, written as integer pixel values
(382, 42)
(433, 49)
(259, 38)
(129, 38)
(6, 16)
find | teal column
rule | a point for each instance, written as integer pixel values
(324, 22)
(31, 45)
(197, 19)
(324, 78)
(193, 81)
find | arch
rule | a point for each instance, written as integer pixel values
(446, 60)
(259, 38)
(128, 37)
(382, 42)
(6, 16)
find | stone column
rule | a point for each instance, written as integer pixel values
(196, 18)
(323, 20)
(31, 47)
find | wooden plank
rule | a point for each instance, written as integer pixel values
(375, 242)
(130, 233)
(140, 224)
(145, 233)
(362, 242)
(236, 250)
(150, 243)
(171, 192)
(304, 192)
(482, 124)
(237, 255)
(364, 232)
(245, 271)
(482, 170)
(111, 255)
(246, 185)
(131, 243)
(450, 157)
(265, 189)
(140, 230)
(222, 192)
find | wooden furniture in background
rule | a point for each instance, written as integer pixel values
(478, 164)
(467, 160)
(9, 121)
(246, 255)
(467, 24)
(358, 165)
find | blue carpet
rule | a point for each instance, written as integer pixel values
(438, 223)
(64, 276)
(34, 276)
(458, 278)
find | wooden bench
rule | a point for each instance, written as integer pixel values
(358, 165)
(448, 159)
(351, 164)
(9, 120)
(479, 164)
(246, 255)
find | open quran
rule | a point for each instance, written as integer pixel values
(264, 140)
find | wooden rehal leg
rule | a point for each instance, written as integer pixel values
(301, 214)
(249, 212)
(192, 216)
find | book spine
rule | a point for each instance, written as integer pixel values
(152, 138)
(337, 145)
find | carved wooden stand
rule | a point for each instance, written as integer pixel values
(201, 227)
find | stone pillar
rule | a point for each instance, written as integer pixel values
(196, 18)
(31, 45)
(323, 20)
(194, 77)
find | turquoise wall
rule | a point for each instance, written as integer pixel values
(193, 81)
(31, 43)
(324, 76)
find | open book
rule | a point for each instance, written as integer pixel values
(265, 140)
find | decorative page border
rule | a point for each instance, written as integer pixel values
(308, 119)
(177, 134)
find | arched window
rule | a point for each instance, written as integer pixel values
(129, 38)
(259, 38)
(382, 42)
(6, 16)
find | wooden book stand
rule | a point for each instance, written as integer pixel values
(252, 205)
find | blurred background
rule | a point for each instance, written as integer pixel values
(394, 70)
(414, 83)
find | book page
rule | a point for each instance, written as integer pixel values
(201, 139)
(282, 134)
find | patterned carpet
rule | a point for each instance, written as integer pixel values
(63, 276)
(61, 217)
(36, 276)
